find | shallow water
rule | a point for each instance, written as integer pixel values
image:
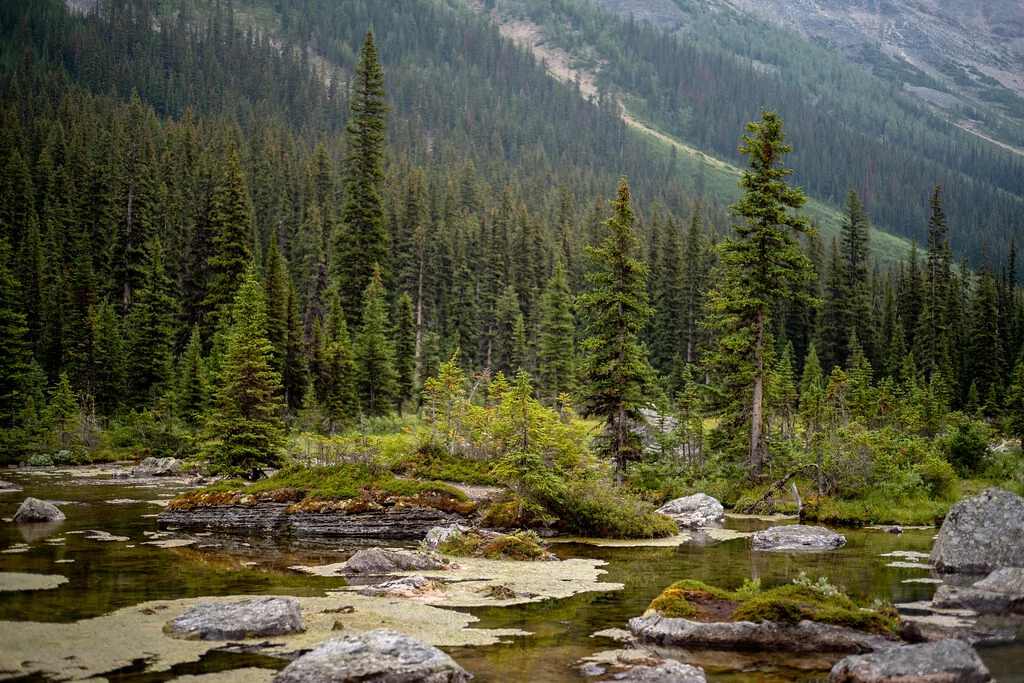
(108, 575)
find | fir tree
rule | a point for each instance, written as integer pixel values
(985, 357)
(555, 364)
(760, 265)
(617, 376)
(932, 337)
(339, 399)
(854, 238)
(106, 381)
(192, 390)
(694, 273)
(245, 428)
(275, 285)
(1013, 405)
(151, 335)
(63, 414)
(230, 256)
(375, 354)
(15, 355)
(404, 336)
(293, 376)
(362, 241)
(504, 350)
(812, 391)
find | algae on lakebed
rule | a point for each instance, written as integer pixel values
(92, 647)
(17, 581)
(791, 603)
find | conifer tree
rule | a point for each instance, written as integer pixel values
(293, 375)
(339, 399)
(667, 295)
(275, 285)
(63, 414)
(854, 239)
(361, 243)
(151, 335)
(760, 265)
(192, 390)
(694, 273)
(812, 391)
(1013, 406)
(833, 334)
(375, 354)
(404, 336)
(615, 370)
(230, 256)
(555, 364)
(245, 428)
(106, 380)
(985, 357)
(15, 354)
(504, 349)
(932, 337)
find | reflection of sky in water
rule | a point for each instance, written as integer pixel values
(109, 575)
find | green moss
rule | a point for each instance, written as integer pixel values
(789, 604)
(593, 508)
(436, 463)
(877, 509)
(520, 545)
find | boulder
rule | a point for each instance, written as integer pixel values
(379, 561)
(981, 533)
(256, 617)
(796, 537)
(948, 661)
(439, 534)
(1001, 591)
(700, 509)
(669, 671)
(803, 636)
(8, 486)
(34, 511)
(405, 587)
(159, 467)
(380, 656)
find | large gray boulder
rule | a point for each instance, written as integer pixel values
(379, 561)
(441, 534)
(35, 511)
(669, 671)
(1001, 591)
(159, 467)
(380, 656)
(948, 661)
(253, 618)
(700, 509)
(981, 533)
(803, 636)
(796, 537)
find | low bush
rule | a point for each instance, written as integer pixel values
(593, 508)
(519, 545)
(877, 508)
(433, 462)
(40, 460)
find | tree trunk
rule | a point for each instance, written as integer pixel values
(757, 445)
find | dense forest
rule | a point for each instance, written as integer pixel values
(216, 240)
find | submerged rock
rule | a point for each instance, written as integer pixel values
(803, 636)
(382, 655)
(440, 534)
(159, 467)
(380, 561)
(405, 587)
(796, 537)
(700, 509)
(8, 486)
(34, 511)
(669, 671)
(256, 617)
(981, 533)
(999, 592)
(949, 661)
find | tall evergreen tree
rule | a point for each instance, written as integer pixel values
(760, 265)
(192, 389)
(15, 355)
(361, 243)
(854, 240)
(275, 285)
(404, 336)
(106, 379)
(555, 363)
(506, 348)
(245, 426)
(231, 253)
(615, 370)
(932, 337)
(375, 354)
(694, 273)
(151, 330)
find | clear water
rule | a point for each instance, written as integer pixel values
(106, 576)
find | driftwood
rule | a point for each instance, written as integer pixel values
(765, 505)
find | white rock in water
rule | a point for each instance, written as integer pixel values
(700, 509)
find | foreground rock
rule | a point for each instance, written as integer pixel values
(700, 509)
(981, 533)
(382, 655)
(35, 511)
(948, 661)
(256, 617)
(927, 622)
(804, 636)
(159, 467)
(669, 671)
(440, 534)
(796, 537)
(379, 561)
(999, 592)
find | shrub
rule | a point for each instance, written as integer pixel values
(593, 508)
(40, 460)
(62, 457)
(967, 448)
(939, 478)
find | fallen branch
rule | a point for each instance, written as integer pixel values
(760, 506)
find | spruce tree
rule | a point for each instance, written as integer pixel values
(275, 284)
(293, 376)
(404, 336)
(151, 330)
(854, 239)
(106, 379)
(617, 376)
(932, 338)
(230, 255)
(760, 265)
(375, 354)
(339, 400)
(15, 354)
(503, 349)
(192, 389)
(985, 358)
(694, 285)
(245, 428)
(1013, 405)
(555, 364)
(63, 414)
(361, 243)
